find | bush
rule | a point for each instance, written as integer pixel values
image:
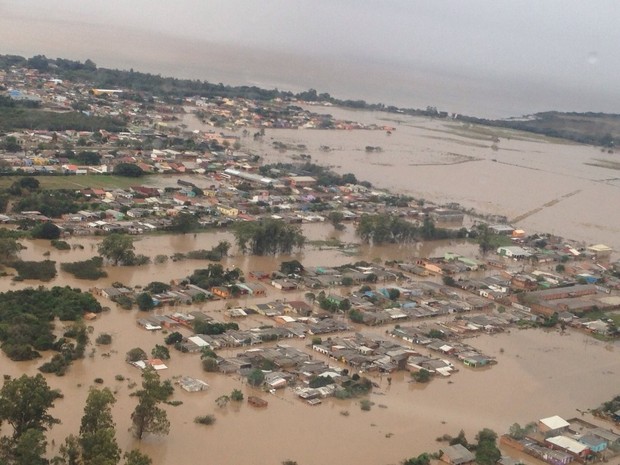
(236, 395)
(104, 339)
(366, 405)
(60, 245)
(205, 420)
(99, 380)
(87, 269)
(47, 230)
(43, 271)
(209, 364)
(173, 338)
(145, 302)
(422, 376)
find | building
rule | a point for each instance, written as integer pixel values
(457, 455)
(552, 426)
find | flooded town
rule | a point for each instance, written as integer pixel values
(319, 284)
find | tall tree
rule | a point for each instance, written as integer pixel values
(97, 429)
(25, 402)
(135, 457)
(148, 416)
(117, 248)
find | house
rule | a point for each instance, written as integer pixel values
(594, 443)
(552, 426)
(569, 445)
(457, 455)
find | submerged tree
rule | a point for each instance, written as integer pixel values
(268, 237)
(118, 248)
(148, 416)
(97, 429)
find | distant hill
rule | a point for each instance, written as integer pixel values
(588, 128)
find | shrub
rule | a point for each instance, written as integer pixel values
(43, 271)
(87, 269)
(365, 404)
(47, 230)
(205, 420)
(104, 339)
(60, 245)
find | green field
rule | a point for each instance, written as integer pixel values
(79, 182)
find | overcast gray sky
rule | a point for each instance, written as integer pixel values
(535, 54)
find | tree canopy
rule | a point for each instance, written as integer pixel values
(148, 416)
(118, 248)
(268, 237)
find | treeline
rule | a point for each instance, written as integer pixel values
(12, 118)
(323, 175)
(586, 128)
(268, 237)
(386, 229)
(26, 318)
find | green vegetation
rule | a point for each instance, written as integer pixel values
(354, 387)
(366, 405)
(145, 301)
(128, 170)
(422, 459)
(47, 230)
(517, 432)
(160, 352)
(205, 420)
(42, 271)
(268, 237)
(384, 228)
(61, 181)
(421, 376)
(53, 204)
(216, 253)
(87, 269)
(135, 355)
(25, 403)
(173, 338)
(13, 118)
(148, 416)
(118, 248)
(104, 339)
(487, 452)
(256, 377)
(26, 316)
(135, 457)
(60, 245)
(206, 327)
(97, 429)
(215, 275)
(236, 395)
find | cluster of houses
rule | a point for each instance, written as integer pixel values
(559, 442)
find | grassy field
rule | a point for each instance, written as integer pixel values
(79, 182)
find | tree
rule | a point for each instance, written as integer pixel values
(209, 364)
(422, 459)
(487, 452)
(24, 404)
(173, 338)
(9, 248)
(29, 448)
(136, 354)
(160, 352)
(335, 218)
(148, 416)
(47, 230)
(236, 395)
(268, 237)
(157, 287)
(88, 158)
(117, 248)
(97, 429)
(222, 401)
(460, 439)
(422, 376)
(256, 377)
(135, 457)
(145, 301)
(291, 267)
(129, 170)
(184, 223)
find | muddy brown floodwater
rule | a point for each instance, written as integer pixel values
(540, 184)
(539, 374)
